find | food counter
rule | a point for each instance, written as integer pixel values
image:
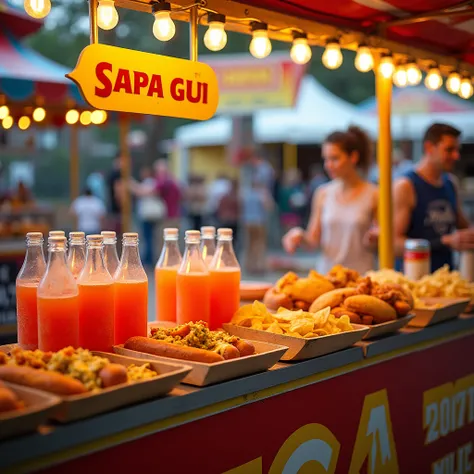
(403, 403)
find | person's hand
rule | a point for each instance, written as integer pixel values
(460, 240)
(292, 239)
(371, 238)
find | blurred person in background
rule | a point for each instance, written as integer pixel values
(257, 202)
(218, 188)
(96, 183)
(291, 199)
(115, 189)
(21, 197)
(400, 167)
(196, 201)
(89, 212)
(262, 171)
(344, 209)
(316, 179)
(228, 212)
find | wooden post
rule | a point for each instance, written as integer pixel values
(126, 199)
(290, 156)
(74, 162)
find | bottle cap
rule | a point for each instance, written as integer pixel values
(34, 235)
(130, 235)
(208, 230)
(108, 234)
(77, 235)
(171, 232)
(57, 233)
(95, 238)
(193, 233)
(224, 232)
(56, 239)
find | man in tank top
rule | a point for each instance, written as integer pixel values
(426, 202)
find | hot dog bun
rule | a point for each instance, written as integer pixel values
(245, 348)
(228, 351)
(165, 349)
(332, 299)
(8, 399)
(113, 374)
(52, 382)
(274, 300)
(371, 306)
(341, 311)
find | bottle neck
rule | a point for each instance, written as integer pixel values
(56, 256)
(34, 252)
(94, 265)
(130, 255)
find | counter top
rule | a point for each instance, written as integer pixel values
(187, 403)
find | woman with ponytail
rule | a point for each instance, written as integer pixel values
(343, 210)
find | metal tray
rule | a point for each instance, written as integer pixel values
(377, 330)
(202, 374)
(300, 348)
(449, 308)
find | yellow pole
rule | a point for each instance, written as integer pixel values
(193, 34)
(290, 156)
(383, 88)
(93, 21)
(126, 200)
(74, 162)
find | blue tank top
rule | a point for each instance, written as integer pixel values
(434, 215)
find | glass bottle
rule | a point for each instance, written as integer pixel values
(58, 305)
(131, 292)
(166, 271)
(208, 243)
(27, 281)
(76, 257)
(96, 300)
(192, 283)
(57, 233)
(225, 281)
(111, 259)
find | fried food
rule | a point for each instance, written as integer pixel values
(332, 299)
(342, 277)
(9, 401)
(299, 323)
(368, 305)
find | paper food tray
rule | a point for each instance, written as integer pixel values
(202, 374)
(38, 407)
(449, 308)
(300, 348)
(382, 329)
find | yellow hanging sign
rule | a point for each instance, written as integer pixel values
(124, 80)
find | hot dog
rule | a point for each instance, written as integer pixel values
(245, 348)
(48, 381)
(227, 351)
(371, 306)
(165, 349)
(113, 374)
(8, 399)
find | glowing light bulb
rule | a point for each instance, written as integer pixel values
(466, 90)
(37, 8)
(163, 27)
(98, 117)
(386, 66)
(107, 15)
(86, 117)
(24, 122)
(364, 61)
(72, 116)
(414, 75)
(4, 112)
(453, 83)
(400, 76)
(433, 79)
(215, 37)
(332, 56)
(300, 51)
(39, 114)
(260, 46)
(7, 122)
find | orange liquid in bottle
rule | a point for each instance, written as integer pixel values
(193, 297)
(58, 323)
(96, 317)
(27, 316)
(225, 296)
(131, 310)
(165, 282)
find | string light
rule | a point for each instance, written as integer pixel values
(4, 112)
(400, 76)
(466, 90)
(364, 61)
(386, 66)
(7, 122)
(260, 46)
(414, 75)
(39, 114)
(453, 83)
(98, 117)
(72, 116)
(24, 122)
(86, 117)
(107, 15)
(433, 79)
(332, 56)
(37, 8)
(215, 37)
(300, 51)
(163, 27)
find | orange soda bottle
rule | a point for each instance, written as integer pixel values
(57, 233)
(225, 281)
(131, 292)
(208, 243)
(111, 259)
(27, 281)
(166, 271)
(192, 283)
(76, 257)
(58, 305)
(96, 300)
